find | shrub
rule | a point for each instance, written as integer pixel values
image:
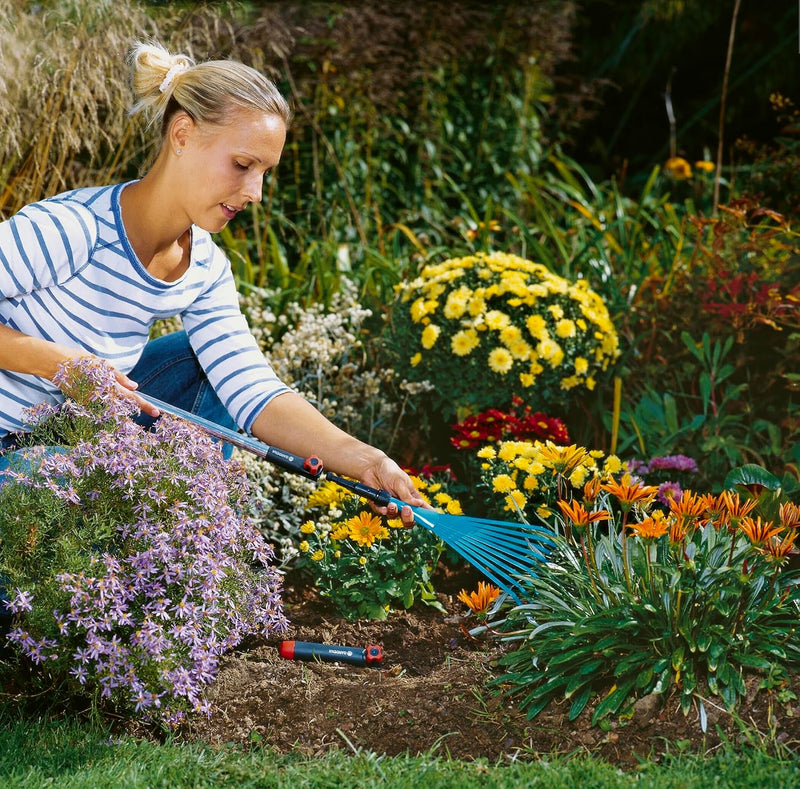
(129, 567)
(638, 599)
(481, 326)
(365, 564)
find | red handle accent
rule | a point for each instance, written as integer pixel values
(313, 465)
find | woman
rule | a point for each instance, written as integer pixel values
(89, 271)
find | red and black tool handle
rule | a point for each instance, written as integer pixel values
(331, 653)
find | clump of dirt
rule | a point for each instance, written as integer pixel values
(430, 693)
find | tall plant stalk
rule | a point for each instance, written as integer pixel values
(720, 134)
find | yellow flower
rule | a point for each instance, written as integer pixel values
(486, 453)
(479, 601)
(418, 311)
(340, 531)
(365, 528)
(416, 359)
(325, 495)
(556, 311)
(678, 168)
(318, 555)
(613, 465)
(536, 326)
(503, 483)
(565, 328)
(581, 365)
(395, 523)
(500, 361)
(464, 342)
(362, 560)
(497, 320)
(304, 546)
(527, 380)
(429, 336)
(705, 166)
(454, 507)
(308, 527)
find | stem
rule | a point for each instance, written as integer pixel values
(726, 75)
(588, 564)
(625, 567)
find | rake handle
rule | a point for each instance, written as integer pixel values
(376, 495)
(310, 467)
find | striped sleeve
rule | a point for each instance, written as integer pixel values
(229, 354)
(44, 244)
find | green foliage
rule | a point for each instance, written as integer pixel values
(367, 565)
(637, 600)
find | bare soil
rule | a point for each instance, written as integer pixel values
(430, 694)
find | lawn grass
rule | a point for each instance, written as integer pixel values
(73, 754)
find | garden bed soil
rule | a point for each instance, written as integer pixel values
(430, 695)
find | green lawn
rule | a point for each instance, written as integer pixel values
(71, 755)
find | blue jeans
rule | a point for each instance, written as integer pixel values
(169, 371)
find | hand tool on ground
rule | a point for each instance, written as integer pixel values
(332, 653)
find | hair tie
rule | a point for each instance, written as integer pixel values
(170, 76)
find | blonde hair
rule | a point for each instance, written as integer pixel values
(164, 83)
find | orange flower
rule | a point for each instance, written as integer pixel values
(758, 531)
(735, 507)
(715, 511)
(678, 168)
(629, 493)
(789, 515)
(688, 510)
(591, 490)
(777, 549)
(579, 515)
(365, 528)
(478, 602)
(651, 528)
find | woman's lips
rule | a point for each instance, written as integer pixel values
(229, 212)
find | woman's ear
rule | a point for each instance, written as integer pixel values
(180, 130)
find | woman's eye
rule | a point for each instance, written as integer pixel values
(240, 166)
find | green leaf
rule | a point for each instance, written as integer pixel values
(751, 474)
(579, 702)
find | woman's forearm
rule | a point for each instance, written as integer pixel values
(21, 353)
(291, 423)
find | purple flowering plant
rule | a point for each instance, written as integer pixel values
(128, 565)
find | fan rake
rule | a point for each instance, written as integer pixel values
(503, 551)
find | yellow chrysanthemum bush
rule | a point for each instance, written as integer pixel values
(484, 327)
(686, 599)
(365, 564)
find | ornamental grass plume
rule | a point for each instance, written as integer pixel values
(479, 326)
(130, 566)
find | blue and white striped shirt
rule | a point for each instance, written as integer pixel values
(69, 274)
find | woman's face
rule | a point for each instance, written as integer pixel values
(223, 167)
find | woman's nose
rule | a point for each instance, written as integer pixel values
(253, 187)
